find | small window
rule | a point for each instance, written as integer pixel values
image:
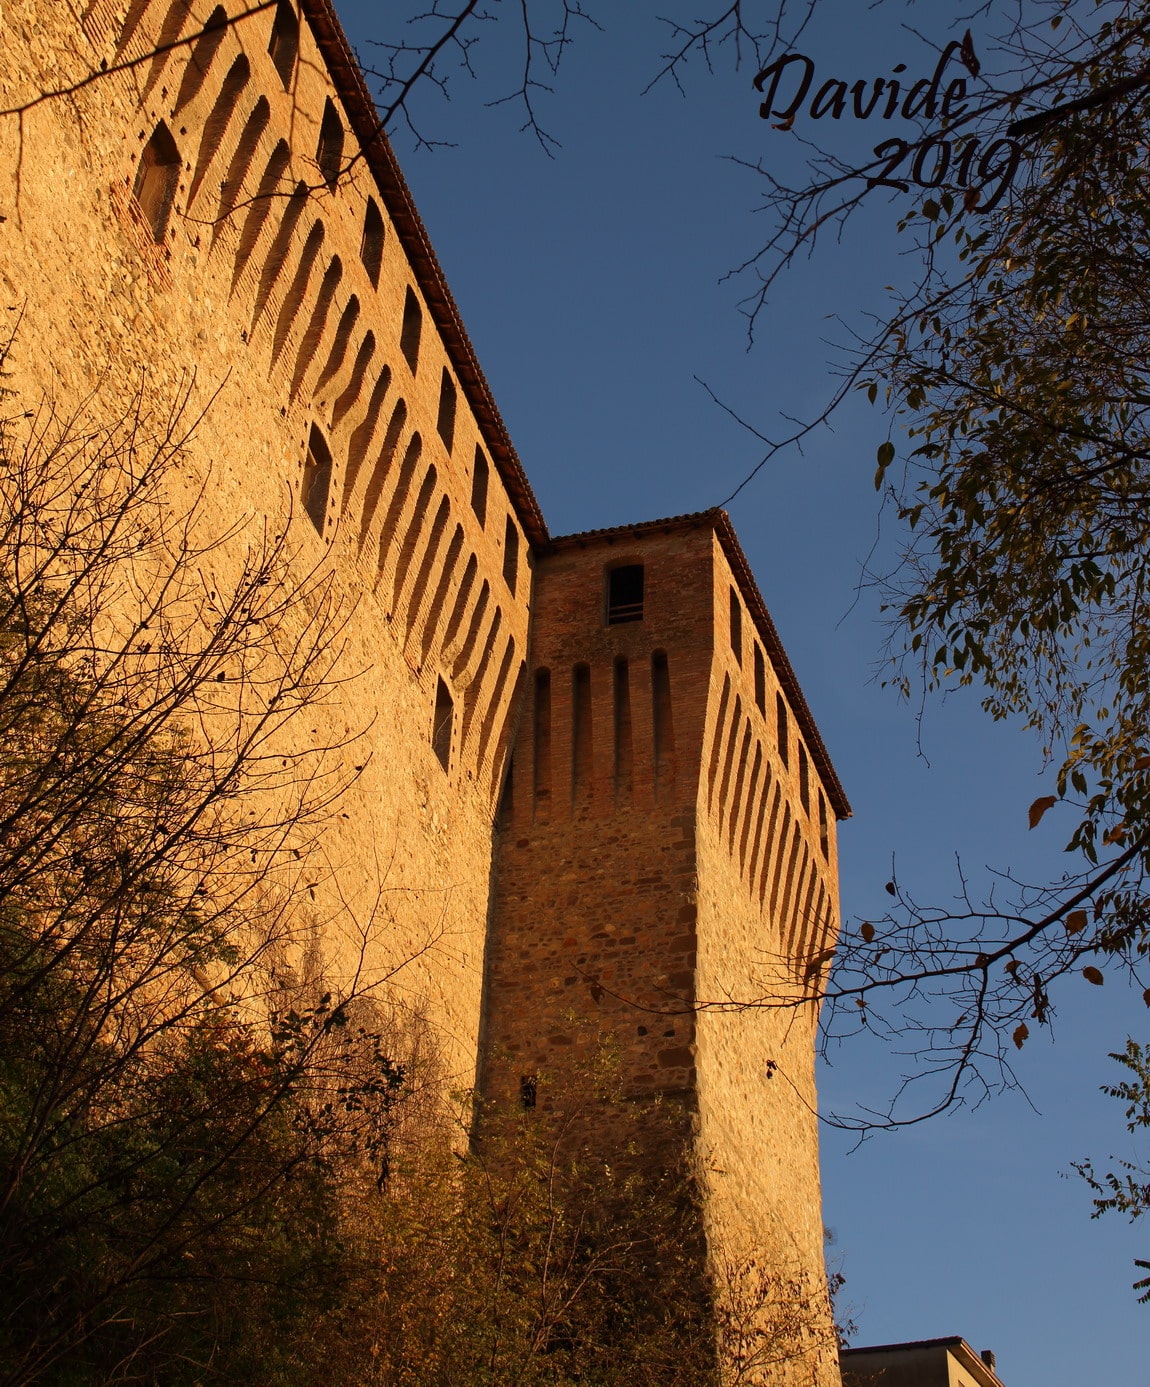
(157, 179)
(316, 480)
(329, 151)
(446, 421)
(511, 555)
(528, 1090)
(412, 327)
(284, 43)
(625, 594)
(760, 680)
(804, 780)
(736, 626)
(441, 727)
(824, 829)
(479, 487)
(782, 730)
(371, 247)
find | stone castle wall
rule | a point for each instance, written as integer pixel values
(215, 215)
(666, 849)
(261, 294)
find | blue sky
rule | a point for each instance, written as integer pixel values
(593, 286)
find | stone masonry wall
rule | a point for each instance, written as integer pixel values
(662, 861)
(273, 288)
(593, 919)
(200, 221)
(767, 905)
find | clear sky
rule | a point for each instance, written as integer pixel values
(593, 287)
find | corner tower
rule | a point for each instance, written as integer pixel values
(666, 873)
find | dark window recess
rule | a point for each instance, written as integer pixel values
(441, 727)
(824, 830)
(760, 680)
(412, 327)
(371, 246)
(663, 725)
(329, 151)
(782, 729)
(582, 752)
(624, 745)
(284, 42)
(625, 594)
(528, 1090)
(479, 487)
(316, 479)
(511, 555)
(446, 420)
(157, 179)
(736, 626)
(542, 734)
(804, 779)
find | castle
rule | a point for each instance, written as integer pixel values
(597, 803)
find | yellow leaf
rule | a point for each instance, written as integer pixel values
(867, 931)
(1020, 1035)
(1039, 807)
(1075, 921)
(1092, 975)
(1142, 764)
(1115, 834)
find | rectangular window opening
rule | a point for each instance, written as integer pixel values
(582, 751)
(625, 594)
(624, 750)
(317, 480)
(782, 730)
(661, 715)
(511, 555)
(371, 244)
(284, 43)
(442, 726)
(329, 150)
(804, 779)
(528, 1090)
(445, 423)
(410, 332)
(157, 180)
(479, 487)
(736, 627)
(760, 680)
(824, 827)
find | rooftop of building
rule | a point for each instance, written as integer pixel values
(980, 1369)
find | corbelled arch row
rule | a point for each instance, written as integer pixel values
(213, 215)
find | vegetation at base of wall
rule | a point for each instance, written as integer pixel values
(216, 1167)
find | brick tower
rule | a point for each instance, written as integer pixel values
(667, 848)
